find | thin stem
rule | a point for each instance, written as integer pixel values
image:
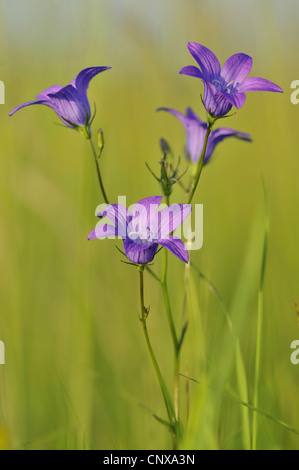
(167, 302)
(260, 319)
(175, 340)
(144, 312)
(257, 368)
(98, 170)
(174, 336)
(201, 161)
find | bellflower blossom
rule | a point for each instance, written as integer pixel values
(225, 87)
(196, 131)
(70, 103)
(144, 229)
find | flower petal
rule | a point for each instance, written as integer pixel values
(258, 84)
(140, 254)
(192, 71)
(67, 103)
(221, 134)
(236, 99)
(195, 131)
(143, 215)
(44, 95)
(206, 59)
(103, 231)
(81, 82)
(215, 101)
(118, 215)
(177, 247)
(170, 218)
(175, 113)
(28, 103)
(236, 68)
(192, 115)
(40, 98)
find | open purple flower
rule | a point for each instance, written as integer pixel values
(144, 229)
(225, 87)
(70, 103)
(196, 131)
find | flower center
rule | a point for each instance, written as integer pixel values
(143, 236)
(224, 87)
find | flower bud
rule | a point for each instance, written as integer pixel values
(100, 140)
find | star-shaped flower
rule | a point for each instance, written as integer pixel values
(144, 229)
(225, 87)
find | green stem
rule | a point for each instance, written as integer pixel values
(260, 318)
(175, 340)
(201, 161)
(173, 335)
(169, 408)
(167, 302)
(257, 368)
(98, 169)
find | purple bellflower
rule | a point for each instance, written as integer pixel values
(225, 87)
(70, 103)
(144, 229)
(196, 131)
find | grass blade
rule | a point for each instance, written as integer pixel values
(260, 318)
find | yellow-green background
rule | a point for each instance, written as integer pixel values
(77, 372)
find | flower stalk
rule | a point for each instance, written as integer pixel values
(143, 319)
(97, 164)
(201, 160)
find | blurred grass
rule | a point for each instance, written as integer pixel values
(77, 371)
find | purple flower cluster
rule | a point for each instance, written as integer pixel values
(145, 229)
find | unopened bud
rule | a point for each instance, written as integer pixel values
(165, 146)
(100, 140)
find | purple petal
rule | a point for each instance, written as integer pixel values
(176, 246)
(40, 98)
(67, 103)
(81, 82)
(192, 71)
(258, 84)
(221, 134)
(215, 101)
(195, 131)
(139, 254)
(170, 218)
(236, 68)
(236, 99)
(192, 115)
(28, 103)
(44, 95)
(103, 231)
(147, 202)
(206, 59)
(143, 214)
(118, 215)
(175, 113)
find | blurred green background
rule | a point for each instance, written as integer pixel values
(77, 373)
